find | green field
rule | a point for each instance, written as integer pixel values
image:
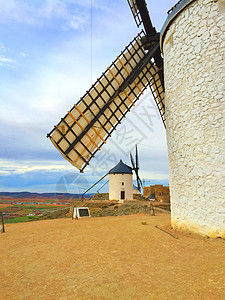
(14, 213)
(20, 219)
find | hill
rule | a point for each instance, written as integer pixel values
(42, 195)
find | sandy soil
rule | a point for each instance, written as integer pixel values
(109, 258)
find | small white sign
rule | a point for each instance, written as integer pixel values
(81, 212)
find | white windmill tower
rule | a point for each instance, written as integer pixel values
(192, 42)
(121, 183)
(121, 180)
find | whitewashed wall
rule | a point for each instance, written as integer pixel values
(193, 50)
(115, 186)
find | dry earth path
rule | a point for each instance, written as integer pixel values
(109, 258)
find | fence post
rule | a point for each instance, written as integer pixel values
(152, 210)
(3, 225)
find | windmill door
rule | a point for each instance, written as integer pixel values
(122, 195)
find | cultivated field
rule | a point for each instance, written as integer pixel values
(25, 209)
(123, 257)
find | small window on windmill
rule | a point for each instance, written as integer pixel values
(122, 183)
(81, 212)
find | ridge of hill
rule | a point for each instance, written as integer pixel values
(44, 195)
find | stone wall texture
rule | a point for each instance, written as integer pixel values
(194, 66)
(115, 186)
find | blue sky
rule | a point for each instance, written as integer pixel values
(51, 51)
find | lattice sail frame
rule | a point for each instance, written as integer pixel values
(135, 12)
(91, 121)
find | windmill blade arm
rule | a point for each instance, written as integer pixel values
(129, 80)
(139, 183)
(89, 126)
(132, 161)
(103, 185)
(95, 184)
(135, 12)
(156, 84)
(148, 40)
(141, 15)
(142, 7)
(91, 121)
(156, 81)
(136, 158)
(139, 67)
(139, 10)
(139, 179)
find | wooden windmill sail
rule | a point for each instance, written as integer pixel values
(91, 121)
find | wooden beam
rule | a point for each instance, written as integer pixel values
(129, 74)
(89, 122)
(119, 85)
(82, 128)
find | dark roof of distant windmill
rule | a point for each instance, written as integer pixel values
(121, 168)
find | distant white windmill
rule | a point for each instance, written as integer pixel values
(121, 183)
(121, 180)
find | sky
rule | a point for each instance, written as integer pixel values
(51, 51)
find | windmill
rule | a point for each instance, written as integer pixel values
(135, 167)
(82, 132)
(194, 75)
(120, 179)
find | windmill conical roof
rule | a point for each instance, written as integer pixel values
(121, 168)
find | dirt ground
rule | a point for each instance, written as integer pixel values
(124, 257)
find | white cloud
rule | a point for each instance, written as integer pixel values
(22, 12)
(9, 167)
(76, 22)
(19, 11)
(5, 61)
(52, 8)
(24, 54)
(2, 47)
